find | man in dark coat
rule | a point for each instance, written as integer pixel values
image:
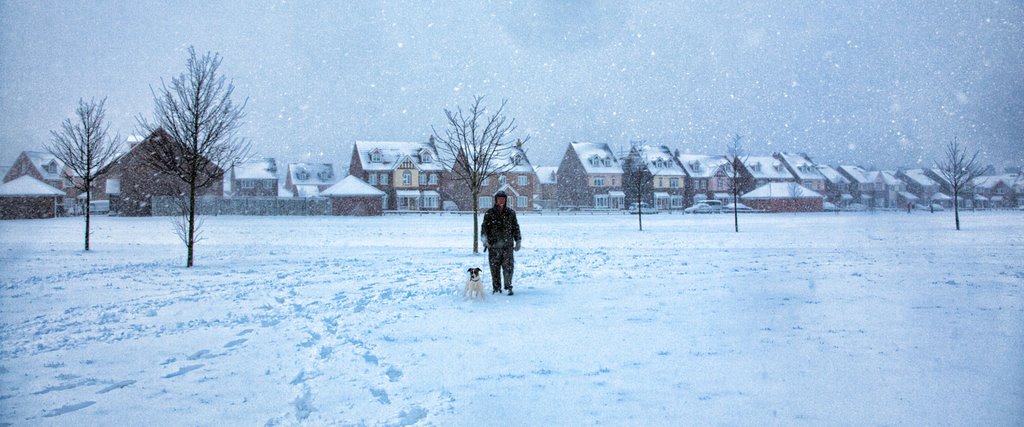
(500, 235)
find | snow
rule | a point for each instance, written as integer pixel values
(587, 152)
(352, 186)
(28, 186)
(807, 319)
(782, 190)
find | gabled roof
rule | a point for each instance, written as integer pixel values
(857, 173)
(516, 161)
(766, 167)
(886, 177)
(352, 186)
(28, 186)
(547, 174)
(257, 169)
(990, 181)
(660, 160)
(919, 177)
(802, 166)
(43, 160)
(392, 153)
(311, 173)
(702, 165)
(782, 190)
(832, 175)
(591, 153)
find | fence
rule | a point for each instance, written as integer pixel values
(268, 206)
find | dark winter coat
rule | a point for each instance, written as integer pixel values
(500, 228)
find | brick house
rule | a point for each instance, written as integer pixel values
(547, 186)
(707, 178)
(837, 187)
(519, 181)
(26, 197)
(590, 177)
(409, 173)
(923, 188)
(784, 197)
(997, 190)
(861, 188)
(803, 168)
(130, 183)
(667, 189)
(761, 170)
(354, 197)
(309, 179)
(257, 178)
(42, 166)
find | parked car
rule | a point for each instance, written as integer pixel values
(740, 207)
(829, 207)
(705, 206)
(643, 208)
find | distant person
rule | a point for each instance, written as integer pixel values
(500, 235)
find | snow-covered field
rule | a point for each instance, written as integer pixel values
(806, 319)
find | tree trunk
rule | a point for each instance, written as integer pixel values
(191, 223)
(476, 222)
(735, 211)
(956, 209)
(87, 211)
(639, 208)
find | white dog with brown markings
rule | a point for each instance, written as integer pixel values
(474, 289)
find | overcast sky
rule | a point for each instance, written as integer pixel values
(877, 83)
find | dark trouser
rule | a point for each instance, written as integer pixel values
(501, 261)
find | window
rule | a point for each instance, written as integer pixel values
(661, 182)
(375, 157)
(613, 181)
(601, 202)
(431, 202)
(522, 201)
(423, 179)
(248, 184)
(486, 202)
(677, 202)
(51, 167)
(373, 179)
(433, 179)
(502, 180)
(406, 178)
(425, 157)
(523, 180)
(673, 182)
(607, 161)
(384, 179)
(325, 175)
(598, 181)
(302, 175)
(485, 182)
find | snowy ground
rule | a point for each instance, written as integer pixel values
(806, 319)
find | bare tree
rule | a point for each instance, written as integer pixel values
(201, 124)
(735, 158)
(476, 146)
(637, 178)
(959, 168)
(85, 147)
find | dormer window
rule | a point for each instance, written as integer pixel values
(607, 161)
(517, 159)
(375, 157)
(51, 167)
(302, 175)
(425, 156)
(595, 161)
(324, 175)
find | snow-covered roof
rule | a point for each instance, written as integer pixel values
(702, 165)
(597, 158)
(802, 166)
(311, 173)
(766, 167)
(919, 177)
(990, 181)
(832, 175)
(660, 160)
(857, 173)
(47, 164)
(886, 177)
(381, 156)
(516, 158)
(352, 186)
(547, 174)
(782, 190)
(28, 186)
(257, 169)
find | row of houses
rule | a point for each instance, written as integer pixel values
(409, 176)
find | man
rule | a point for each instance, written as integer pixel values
(500, 235)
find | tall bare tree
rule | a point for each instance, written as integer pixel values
(735, 158)
(201, 123)
(638, 178)
(85, 146)
(959, 168)
(476, 146)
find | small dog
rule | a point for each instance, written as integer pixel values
(473, 288)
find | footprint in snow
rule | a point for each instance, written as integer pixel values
(68, 408)
(235, 343)
(183, 371)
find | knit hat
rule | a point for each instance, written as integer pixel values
(500, 194)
